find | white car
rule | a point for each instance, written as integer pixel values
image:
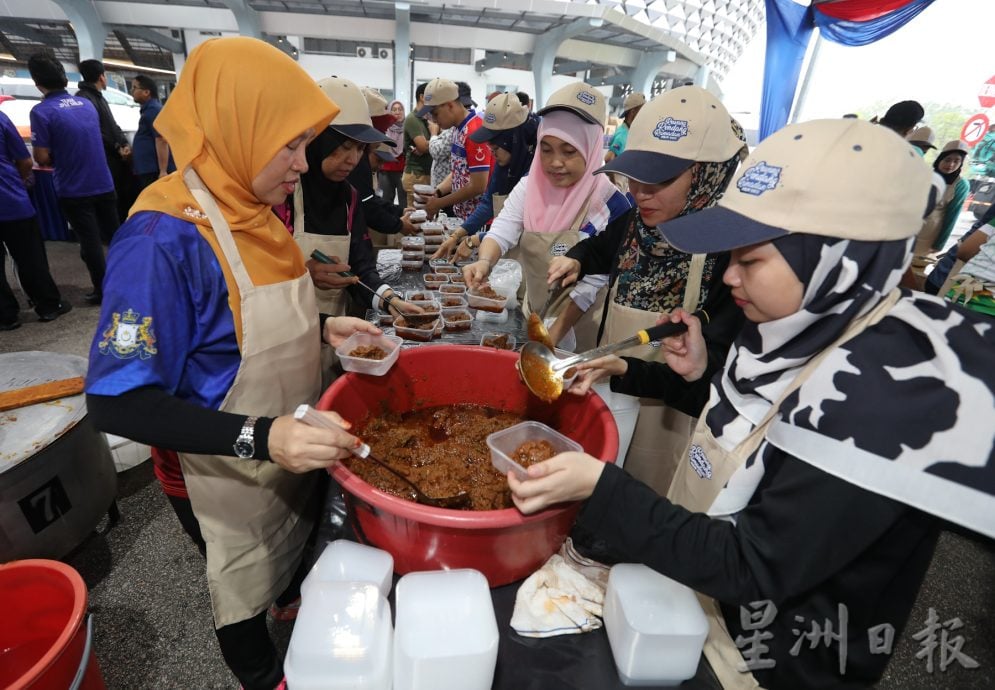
(25, 95)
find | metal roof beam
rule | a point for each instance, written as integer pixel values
(154, 37)
(544, 53)
(248, 19)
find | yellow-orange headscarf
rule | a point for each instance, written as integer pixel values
(238, 101)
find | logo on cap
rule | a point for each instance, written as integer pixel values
(669, 129)
(586, 97)
(490, 118)
(759, 178)
(558, 249)
(428, 97)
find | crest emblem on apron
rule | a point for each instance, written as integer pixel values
(129, 335)
(558, 249)
(699, 462)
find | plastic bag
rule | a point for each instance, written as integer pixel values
(505, 278)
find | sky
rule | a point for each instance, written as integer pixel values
(944, 55)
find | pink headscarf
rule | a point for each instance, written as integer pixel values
(553, 209)
(396, 130)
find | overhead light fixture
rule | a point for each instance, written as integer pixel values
(132, 65)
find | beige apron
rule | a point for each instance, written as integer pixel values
(707, 468)
(923, 254)
(250, 511)
(537, 249)
(662, 433)
(333, 301)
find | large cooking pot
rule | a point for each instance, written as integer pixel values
(57, 476)
(502, 544)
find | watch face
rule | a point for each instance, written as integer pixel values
(244, 449)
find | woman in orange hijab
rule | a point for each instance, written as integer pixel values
(209, 335)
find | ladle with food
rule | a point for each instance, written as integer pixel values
(461, 501)
(537, 330)
(542, 371)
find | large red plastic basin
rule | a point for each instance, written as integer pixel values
(502, 544)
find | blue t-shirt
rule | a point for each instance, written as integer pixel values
(70, 128)
(164, 319)
(14, 201)
(144, 159)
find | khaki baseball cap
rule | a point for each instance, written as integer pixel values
(353, 119)
(674, 131)
(503, 112)
(439, 91)
(385, 152)
(580, 99)
(956, 145)
(924, 136)
(381, 118)
(633, 100)
(833, 178)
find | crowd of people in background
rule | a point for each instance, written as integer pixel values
(630, 226)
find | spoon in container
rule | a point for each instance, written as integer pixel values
(461, 501)
(542, 371)
(537, 328)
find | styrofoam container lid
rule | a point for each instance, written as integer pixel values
(342, 639)
(347, 561)
(418, 216)
(361, 365)
(504, 443)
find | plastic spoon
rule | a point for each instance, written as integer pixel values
(461, 501)
(542, 371)
(412, 317)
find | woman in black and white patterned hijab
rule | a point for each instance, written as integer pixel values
(848, 412)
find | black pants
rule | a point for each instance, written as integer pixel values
(143, 180)
(94, 220)
(124, 183)
(22, 238)
(246, 646)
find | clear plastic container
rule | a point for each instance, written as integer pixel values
(438, 262)
(347, 561)
(423, 189)
(412, 242)
(448, 270)
(433, 230)
(504, 443)
(419, 296)
(434, 280)
(656, 627)
(418, 216)
(411, 265)
(433, 242)
(391, 344)
(457, 320)
(490, 304)
(447, 635)
(452, 290)
(412, 255)
(452, 303)
(422, 332)
(500, 341)
(342, 639)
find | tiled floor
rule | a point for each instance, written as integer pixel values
(152, 617)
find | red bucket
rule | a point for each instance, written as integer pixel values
(44, 639)
(502, 544)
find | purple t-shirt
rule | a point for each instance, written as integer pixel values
(14, 201)
(70, 128)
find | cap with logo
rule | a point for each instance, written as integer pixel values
(633, 100)
(833, 178)
(956, 146)
(580, 99)
(672, 132)
(439, 91)
(923, 136)
(503, 112)
(353, 119)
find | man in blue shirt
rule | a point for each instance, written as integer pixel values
(19, 234)
(150, 152)
(65, 133)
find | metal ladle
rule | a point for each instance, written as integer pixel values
(542, 371)
(537, 327)
(460, 501)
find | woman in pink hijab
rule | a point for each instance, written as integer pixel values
(561, 202)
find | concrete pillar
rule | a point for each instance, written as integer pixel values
(702, 76)
(642, 76)
(249, 23)
(402, 54)
(91, 32)
(544, 53)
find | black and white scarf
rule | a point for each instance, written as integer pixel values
(906, 409)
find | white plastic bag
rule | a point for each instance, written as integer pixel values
(505, 278)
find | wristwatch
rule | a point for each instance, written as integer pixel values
(245, 445)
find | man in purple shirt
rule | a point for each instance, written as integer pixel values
(19, 235)
(65, 133)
